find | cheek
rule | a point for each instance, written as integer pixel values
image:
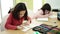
(46, 12)
(21, 15)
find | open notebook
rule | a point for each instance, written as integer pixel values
(42, 19)
(33, 24)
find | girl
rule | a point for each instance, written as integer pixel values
(17, 16)
(45, 11)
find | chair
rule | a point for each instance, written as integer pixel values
(4, 19)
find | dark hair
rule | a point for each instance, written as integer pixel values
(19, 7)
(11, 9)
(46, 7)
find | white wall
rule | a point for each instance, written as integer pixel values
(37, 4)
(6, 5)
(55, 4)
(0, 11)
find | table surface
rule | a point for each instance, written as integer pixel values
(49, 22)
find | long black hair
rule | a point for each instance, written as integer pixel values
(11, 9)
(19, 7)
(46, 7)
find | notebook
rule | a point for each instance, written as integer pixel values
(42, 19)
(29, 27)
(32, 25)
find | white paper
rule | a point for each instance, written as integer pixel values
(33, 24)
(29, 27)
(42, 19)
(25, 29)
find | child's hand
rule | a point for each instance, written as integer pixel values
(20, 27)
(25, 21)
(28, 23)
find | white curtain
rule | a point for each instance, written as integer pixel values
(37, 4)
(5, 6)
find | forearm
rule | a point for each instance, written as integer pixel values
(20, 27)
(47, 15)
(8, 26)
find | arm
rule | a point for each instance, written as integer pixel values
(47, 15)
(43, 16)
(8, 24)
(29, 21)
(40, 15)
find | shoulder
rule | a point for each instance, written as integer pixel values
(10, 15)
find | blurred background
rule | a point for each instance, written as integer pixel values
(32, 5)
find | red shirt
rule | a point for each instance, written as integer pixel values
(12, 23)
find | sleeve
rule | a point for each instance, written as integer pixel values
(8, 24)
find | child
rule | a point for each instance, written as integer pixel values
(17, 16)
(45, 11)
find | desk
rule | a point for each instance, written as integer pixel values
(49, 22)
(30, 31)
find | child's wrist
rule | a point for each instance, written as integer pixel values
(18, 27)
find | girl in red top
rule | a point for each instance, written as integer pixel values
(17, 16)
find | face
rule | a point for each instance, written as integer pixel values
(46, 11)
(22, 13)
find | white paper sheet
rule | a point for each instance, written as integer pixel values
(33, 24)
(29, 27)
(42, 19)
